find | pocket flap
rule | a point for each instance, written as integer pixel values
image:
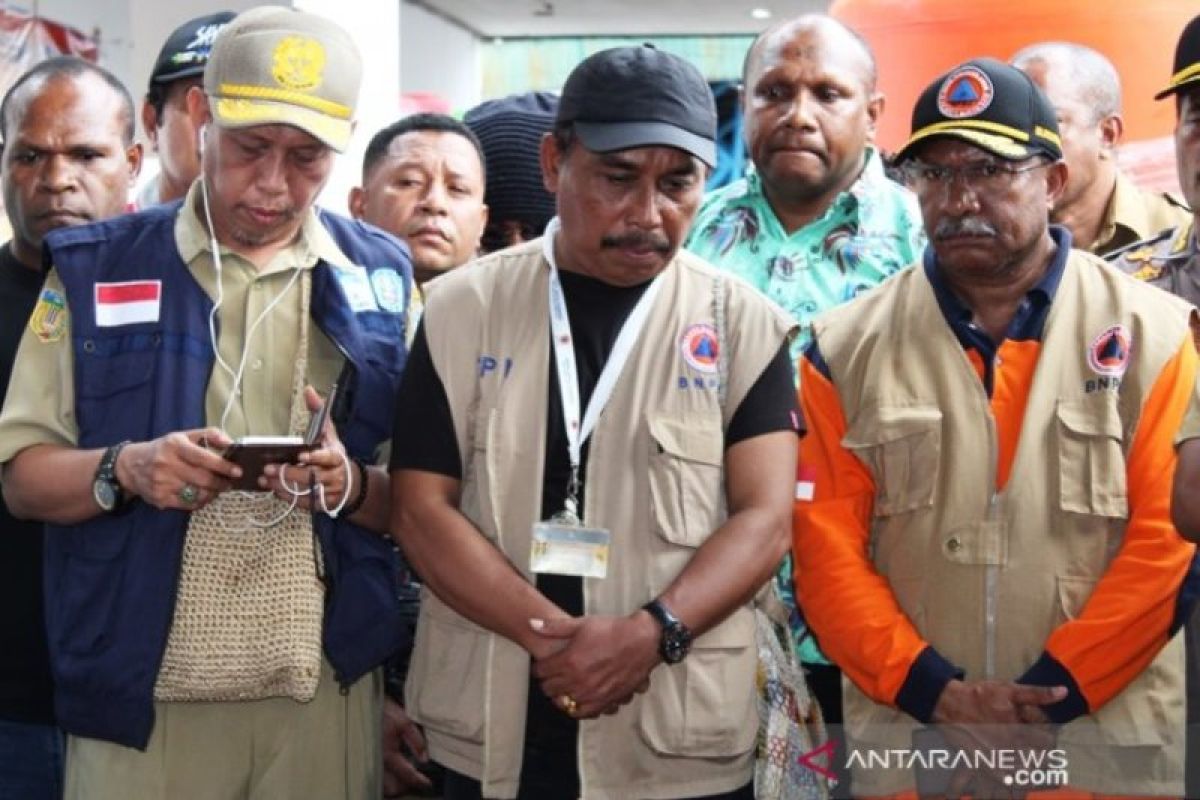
(1092, 416)
(736, 630)
(695, 437)
(883, 424)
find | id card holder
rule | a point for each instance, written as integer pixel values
(562, 548)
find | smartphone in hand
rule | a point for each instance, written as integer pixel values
(253, 453)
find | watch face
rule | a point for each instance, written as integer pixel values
(675, 644)
(105, 494)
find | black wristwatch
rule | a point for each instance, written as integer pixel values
(106, 489)
(676, 639)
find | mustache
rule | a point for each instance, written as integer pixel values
(949, 227)
(639, 240)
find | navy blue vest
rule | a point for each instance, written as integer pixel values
(111, 581)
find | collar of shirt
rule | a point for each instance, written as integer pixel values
(1031, 315)
(312, 245)
(1186, 240)
(1125, 210)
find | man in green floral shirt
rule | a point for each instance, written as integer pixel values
(818, 221)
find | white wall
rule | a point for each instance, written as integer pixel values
(404, 48)
(132, 31)
(440, 57)
(375, 27)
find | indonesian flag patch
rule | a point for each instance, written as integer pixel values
(806, 482)
(127, 303)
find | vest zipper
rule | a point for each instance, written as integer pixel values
(990, 572)
(346, 399)
(990, 578)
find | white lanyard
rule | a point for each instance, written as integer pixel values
(578, 429)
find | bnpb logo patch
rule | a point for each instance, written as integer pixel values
(700, 348)
(966, 92)
(1108, 353)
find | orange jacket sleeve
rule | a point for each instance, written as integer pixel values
(847, 603)
(1137, 604)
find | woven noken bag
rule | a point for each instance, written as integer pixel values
(249, 603)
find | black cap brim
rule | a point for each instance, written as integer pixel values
(995, 144)
(1184, 85)
(608, 137)
(193, 71)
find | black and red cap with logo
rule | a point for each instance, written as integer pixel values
(989, 104)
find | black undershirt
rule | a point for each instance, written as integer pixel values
(26, 692)
(425, 440)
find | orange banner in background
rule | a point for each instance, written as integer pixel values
(916, 40)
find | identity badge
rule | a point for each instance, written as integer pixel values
(389, 290)
(357, 288)
(563, 549)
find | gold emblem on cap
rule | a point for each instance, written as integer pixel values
(298, 63)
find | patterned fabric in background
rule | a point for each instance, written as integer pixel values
(870, 232)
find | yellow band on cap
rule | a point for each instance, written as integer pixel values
(999, 144)
(979, 124)
(1048, 135)
(958, 125)
(1185, 75)
(285, 96)
(244, 113)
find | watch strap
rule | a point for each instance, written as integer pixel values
(676, 639)
(107, 470)
(662, 615)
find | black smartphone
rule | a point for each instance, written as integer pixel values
(253, 453)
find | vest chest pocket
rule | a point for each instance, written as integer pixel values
(685, 475)
(1091, 458)
(901, 445)
(112, 385)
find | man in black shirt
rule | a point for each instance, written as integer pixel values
(68, 159)
(627, 188)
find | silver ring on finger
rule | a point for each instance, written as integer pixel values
(188, 494)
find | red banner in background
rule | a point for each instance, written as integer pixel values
(25, 40)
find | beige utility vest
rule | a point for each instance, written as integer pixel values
(984, 576)
(655, 479)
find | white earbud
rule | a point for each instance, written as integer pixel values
(201, 138)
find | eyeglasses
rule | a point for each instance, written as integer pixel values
(978, 174)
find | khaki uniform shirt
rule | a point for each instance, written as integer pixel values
(39, 408)
(1134, 214)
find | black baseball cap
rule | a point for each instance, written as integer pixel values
(185, 53)
(629, 97)
(1187, 61)
(991, 105)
